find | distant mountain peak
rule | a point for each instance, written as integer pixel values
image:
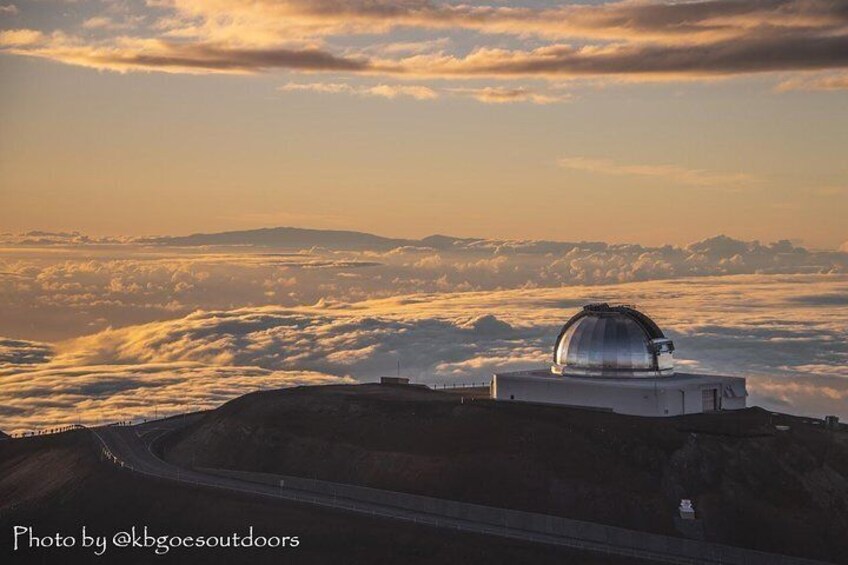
(286, 237)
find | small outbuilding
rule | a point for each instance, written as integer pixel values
(394, 380)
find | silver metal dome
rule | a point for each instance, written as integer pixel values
(612, 341)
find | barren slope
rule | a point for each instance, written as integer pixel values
(752, 485)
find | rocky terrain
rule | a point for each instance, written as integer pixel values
(754, 482)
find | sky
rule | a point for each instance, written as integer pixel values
(635, 121)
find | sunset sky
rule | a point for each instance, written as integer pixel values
(631, 121)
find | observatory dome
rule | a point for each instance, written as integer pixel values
(612, 342)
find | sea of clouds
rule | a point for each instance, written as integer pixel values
(104, 331)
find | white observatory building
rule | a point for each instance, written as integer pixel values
(616, 358)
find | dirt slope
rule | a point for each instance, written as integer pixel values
(57, 484)
(753, 486)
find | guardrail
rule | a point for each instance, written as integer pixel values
(107, 455)
(47, 431)
(63, 429)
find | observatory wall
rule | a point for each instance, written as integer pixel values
(667, 396)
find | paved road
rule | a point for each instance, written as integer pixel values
(131, 448)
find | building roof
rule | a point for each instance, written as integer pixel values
(612, 341)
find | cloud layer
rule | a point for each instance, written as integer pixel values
(787, 333)
(554, 41)
(55, 394)
(59, 286)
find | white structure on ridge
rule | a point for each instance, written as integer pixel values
(616, 358)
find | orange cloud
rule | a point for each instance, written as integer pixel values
(623, 40)
(703, 20)
(816, 82)
(681, 175)
(507, 95)
(130, 54)
(381, 90)
(643, 62)
(488, 95)
(20, 38)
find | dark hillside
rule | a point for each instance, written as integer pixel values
(286, 237)
(753, 485)
(57, 484)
